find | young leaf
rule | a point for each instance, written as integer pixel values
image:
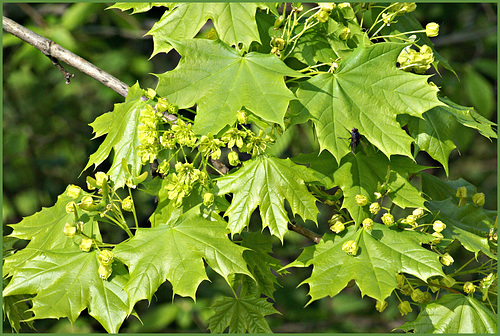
(266, 182)
(66, 282)
(382, 254)
(220, 81)
(234, 23)
(121, 127)
(241, 315)
(454, 314)
(175, 252)
(367, 92)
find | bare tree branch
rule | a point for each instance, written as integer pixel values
(304, 232)
(55, 51)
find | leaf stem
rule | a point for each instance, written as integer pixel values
(304, 232)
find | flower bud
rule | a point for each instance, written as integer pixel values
(387, 219)
(432, 29)
(461, 192)
(374, 208)
(401, 280)
(381, 305)
(162, 104)
(478, 199)
(350, 247)
(69, 230)
(278, 42)
(469, 287)
(411, 220)
(434, 289)
(361, 200)
(74, 191)
(336, 218)
(150, 93)
(86, 244)
(100, 178)
(426, 298)
(406, 290)
(446, 259)
(438, 226)
(367, 223)
(404, 308)
(128, 204)
(91, 183)
(105, 257)
(105, 271)
(208, 199)
(337, 227)
(322, 16)
(377, 195)
(448, 281)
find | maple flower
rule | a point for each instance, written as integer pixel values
(162, 104)
(462, 196)
(70, 207)
(242, 117)
(426, 297)
(86, 244)
(69, 230)
(184, 133)
(469, 287)
(438, 236)
(374, 208)
(411, 220)
(211, 146)
(105, 257)
(417, 295)
(387, 218)
(377, 195)
(434, 289)
(105, 271)
(345, 34)
(432, 29)
(446, 259)
(128, 204)
(233, 158)
(381, 305)
(327, 6)
(208, 199)
(350, 247)
(322, 16)
(337, 227)
(438, 226)
(100, 178)
(418, 212)
(401, 280)
(404, 308)
(234, 136)
(367, 224)
(478, 199)
(361, 200)
(74, 191)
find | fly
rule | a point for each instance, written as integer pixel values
(355, 138)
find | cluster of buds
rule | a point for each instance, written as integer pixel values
(418, 61)
(105, 259)
(399, 8)
(413, 218)
(325, 8)
(148, 134)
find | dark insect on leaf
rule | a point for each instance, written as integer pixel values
(355, 138)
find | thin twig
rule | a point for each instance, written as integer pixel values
(55, 51)
(305, 232)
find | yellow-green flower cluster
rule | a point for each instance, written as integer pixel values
(418, 61)
(105, 259)
(256, 144)
(210, 146)
(182, 182)
(148, 134)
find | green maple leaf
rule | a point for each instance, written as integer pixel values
(66, 282)
(45, 230)
(454, 314)
(121, 127)
(366, 92)
(241, 315)
(175, 252)
(266, 182)
(433, 135)
(382, 254)
(468, 117)
(234, 23)
(260, 263)
(220, 81)
(138, 7)
(468, 224)
(360, 174)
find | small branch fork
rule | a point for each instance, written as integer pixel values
(55, 52)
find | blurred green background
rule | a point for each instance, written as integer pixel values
(46, 144)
